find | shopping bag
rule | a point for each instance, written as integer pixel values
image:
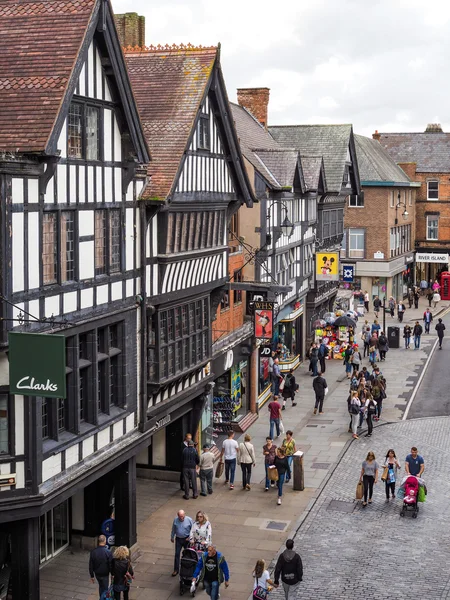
(260, 593)
(273, 473)
(326, 391)
(421, 496)
(359, 490)
(385, 474)
(108, 594)
(219, 469)
(281, 426)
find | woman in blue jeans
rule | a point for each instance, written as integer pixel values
(270, 452)
(282, 465)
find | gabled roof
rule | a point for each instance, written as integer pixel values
(42, 42)
(375, 164)
(431, 151)
(330, 141)
(282, 164)
(313, 169)
(169, 84)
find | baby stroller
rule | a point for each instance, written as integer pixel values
(410, 501)
(188, 562)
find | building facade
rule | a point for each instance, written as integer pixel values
(379, 225)
(424, 157)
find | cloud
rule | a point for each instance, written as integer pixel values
(371, 64)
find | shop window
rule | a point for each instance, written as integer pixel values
(432, 192)
(237, 294)
(4, 424)
(432, 227)
(54, 531)
(356, 242)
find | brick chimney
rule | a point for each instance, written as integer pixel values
(376, 135)
(434, 128)
(131, 29)
(256, 100)
(409, 168)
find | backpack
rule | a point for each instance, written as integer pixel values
(371, 408)
(326, 351)
(287, 382)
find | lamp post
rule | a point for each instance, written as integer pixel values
(405, 213)
(285, 227)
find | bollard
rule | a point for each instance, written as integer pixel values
(298, 473)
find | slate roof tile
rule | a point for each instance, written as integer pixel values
(311, 166)
(431, 151)
(169, 84)
(375, 163)
(40, 43)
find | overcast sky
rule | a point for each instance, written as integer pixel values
(379, 64)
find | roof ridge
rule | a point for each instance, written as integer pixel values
(315, 125)
(169, 48)
(274, 150)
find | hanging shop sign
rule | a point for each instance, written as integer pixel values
(265, 351)
(327, 266)
(37, 364)
(264, 320)
(348, 272)
(431, 257)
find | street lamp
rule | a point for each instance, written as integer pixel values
(286, 226)
(405, 213)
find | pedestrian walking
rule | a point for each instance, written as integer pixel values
(274, 416)
(230, 450)
(187, 439)
(213, 570)
(370, 409)
(206, 470)
(375, 328)
(430, 295)
(247, 459)
(376, 306)
(189, 461)
(417, 332)
(365, 336)
(410, 297)
(400, 310)
(262, 584)
(320, 387)
(323, 354)
(181, 530)
(290, 449)
(414, 463)
(416, 297)
(407, 336)
(354, 406)
(369, 476)
(440, 328)
(427, 319)
(289, 568)
(348, 361)
(391, 467)
(373, 346)
(436, 298)
(366, 301)
(122, 572)
(356, 359)
(282, 465)
(391, 306)
(383, 346)
(276, 374)
(289, 389)
(313, 359)
(100, 562)
(269, 453)
(436, 286)
(200, 536)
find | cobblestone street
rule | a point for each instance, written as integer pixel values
(372, 552)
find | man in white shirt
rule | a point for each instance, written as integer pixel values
(206, 470)
(230, 451)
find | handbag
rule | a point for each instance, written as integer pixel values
(219, 469)
(385, 474)
(272, 472)
(108, 594)
(260, 593)
(359, 490)
(128, 577)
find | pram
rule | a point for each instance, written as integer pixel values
(188, 562)
(410, 500)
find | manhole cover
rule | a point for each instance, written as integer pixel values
(277, 525)
(325, 422)
(312, 426)
(320, 465)
(341, 506)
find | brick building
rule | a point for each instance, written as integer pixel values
(379, 224)
(425, 157)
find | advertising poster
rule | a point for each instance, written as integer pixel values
(264, 320)
(327, 266)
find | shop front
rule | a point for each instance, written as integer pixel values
(288, 337)
(429, 265)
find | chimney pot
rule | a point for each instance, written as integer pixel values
(131, 29)
(376, 135)
(255, 100)
(434, 128)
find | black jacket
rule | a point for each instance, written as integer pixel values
(282, 465)
(119, 569)
(289, 566)
(319, 385)
(417, 330)
(189, 458)
(100, 562)
(440, 328)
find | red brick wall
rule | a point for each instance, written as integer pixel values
(233, 317)
(256, 100)
(131, 29)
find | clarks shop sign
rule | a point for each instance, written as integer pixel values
(37, 364)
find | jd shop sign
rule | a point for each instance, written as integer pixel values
(37, 364)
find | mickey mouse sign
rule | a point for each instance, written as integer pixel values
(327, 266)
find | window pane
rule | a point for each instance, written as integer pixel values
(114, 241)
(67, 246)
(83, 393)
(4, 430)
(100, 242)
(170, 326)
(433, 190)
(45, 432)
(170, 360)
(184, 319)
(101, 386)
(75, 149)
(114, 377)
(151, 364)
(163, 332)
(61, 414)
(92, 119)
(49, 248)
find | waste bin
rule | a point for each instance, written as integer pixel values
(393, 335)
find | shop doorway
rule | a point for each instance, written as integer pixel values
(174, 439)
(54, 531)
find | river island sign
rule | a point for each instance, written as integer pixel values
(37, 364)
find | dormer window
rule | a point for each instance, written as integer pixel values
(83, 131)
(204, 139)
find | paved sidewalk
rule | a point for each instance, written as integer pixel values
(242, 521)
